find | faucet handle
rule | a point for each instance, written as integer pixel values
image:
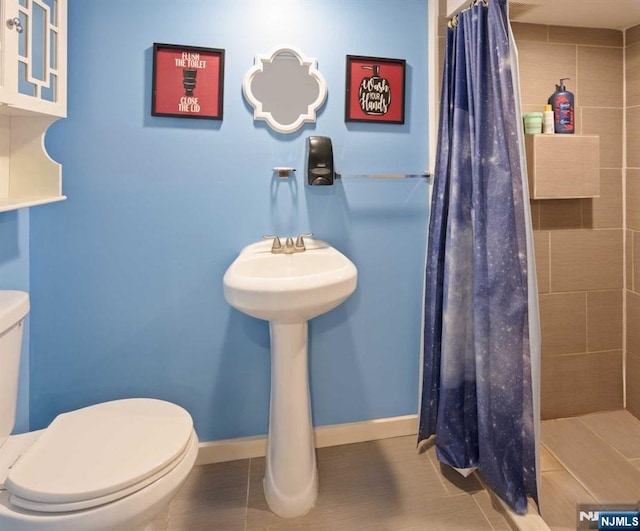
(299, 245)
(277, 244)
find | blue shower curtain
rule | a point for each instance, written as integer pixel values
(478, 377)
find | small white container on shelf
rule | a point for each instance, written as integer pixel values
(548, 127)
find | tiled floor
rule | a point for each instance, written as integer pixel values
(388, 485)
(589, 459)
(377, 485)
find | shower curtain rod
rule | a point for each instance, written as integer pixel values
(453, 21)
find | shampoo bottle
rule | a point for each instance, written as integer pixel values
(562, 104)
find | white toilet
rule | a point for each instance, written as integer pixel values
(112, 466)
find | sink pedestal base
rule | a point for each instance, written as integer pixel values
(291, 476)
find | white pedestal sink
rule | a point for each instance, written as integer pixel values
(287, 290)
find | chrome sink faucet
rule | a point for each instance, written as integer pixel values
(276, 248)
(299, 246)
(289, 246)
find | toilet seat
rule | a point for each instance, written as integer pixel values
(99, 454)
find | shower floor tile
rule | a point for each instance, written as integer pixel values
(598, 454)
(377, 485)
(547, 461)
(558, 494)
(618, 428)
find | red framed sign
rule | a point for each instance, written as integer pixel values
(375, 90)
(188, 81)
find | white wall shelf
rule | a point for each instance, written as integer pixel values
(15, 203)
(28, 176)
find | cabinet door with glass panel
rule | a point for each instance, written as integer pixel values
(34, 57)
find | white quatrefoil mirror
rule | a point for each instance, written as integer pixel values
(285, 89)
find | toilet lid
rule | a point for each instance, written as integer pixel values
(88, 455)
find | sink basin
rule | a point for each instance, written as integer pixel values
(287, 290)
(289, 287)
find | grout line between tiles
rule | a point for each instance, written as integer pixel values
(246, 500)
(604, 440)
(549, 269)
(577, 480)
(586, 321)
(482, 510)
(484, 489)
(577, 98)
(579, 418)
(435, 469)
(624, 221)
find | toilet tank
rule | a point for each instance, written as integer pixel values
(14, 306)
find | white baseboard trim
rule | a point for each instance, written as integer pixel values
(334, 435)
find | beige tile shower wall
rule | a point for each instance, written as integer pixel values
(632, 71)
(633, 347)
(579, 242)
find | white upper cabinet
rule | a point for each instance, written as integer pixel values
(33, 95)
(33, 57)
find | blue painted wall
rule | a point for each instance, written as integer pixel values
(14, 274)
(126, 275)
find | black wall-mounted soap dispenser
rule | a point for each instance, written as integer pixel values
(320, 161)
